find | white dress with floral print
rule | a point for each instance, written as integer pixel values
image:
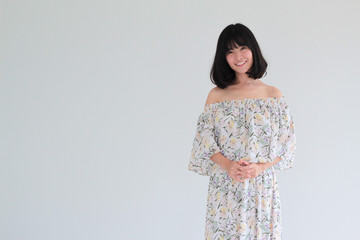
(256, 130)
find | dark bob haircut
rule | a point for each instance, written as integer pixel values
(222, 75)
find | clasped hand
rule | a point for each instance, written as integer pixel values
(240, 170)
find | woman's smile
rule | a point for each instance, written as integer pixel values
(240, 64)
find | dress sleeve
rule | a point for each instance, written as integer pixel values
(204, 144)
(286, 140)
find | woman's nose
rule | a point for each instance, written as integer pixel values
(237, 55)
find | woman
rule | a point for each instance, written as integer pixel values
(244, 134)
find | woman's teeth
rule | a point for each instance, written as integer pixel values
(240, 64)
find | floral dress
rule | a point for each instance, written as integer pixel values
(256, 130)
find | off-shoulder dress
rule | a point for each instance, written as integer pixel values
(256, 130)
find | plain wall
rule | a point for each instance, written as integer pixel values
(99, 102)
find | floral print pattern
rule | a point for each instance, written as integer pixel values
(256, 130)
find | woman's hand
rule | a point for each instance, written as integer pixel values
(251, 170)
(233, 167)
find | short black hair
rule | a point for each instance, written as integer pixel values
(222, 75)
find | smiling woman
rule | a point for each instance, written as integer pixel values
(245, 132)
(235, 45)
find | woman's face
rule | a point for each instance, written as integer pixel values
(240, 59)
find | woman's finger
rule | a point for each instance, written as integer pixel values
(244, 162)
(238, 179)
(248, 167)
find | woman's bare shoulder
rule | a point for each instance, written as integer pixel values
(274, 91)
(213, 95)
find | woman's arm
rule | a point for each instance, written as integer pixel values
(221, 160)
(266, 165)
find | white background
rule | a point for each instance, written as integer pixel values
(99, 102)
